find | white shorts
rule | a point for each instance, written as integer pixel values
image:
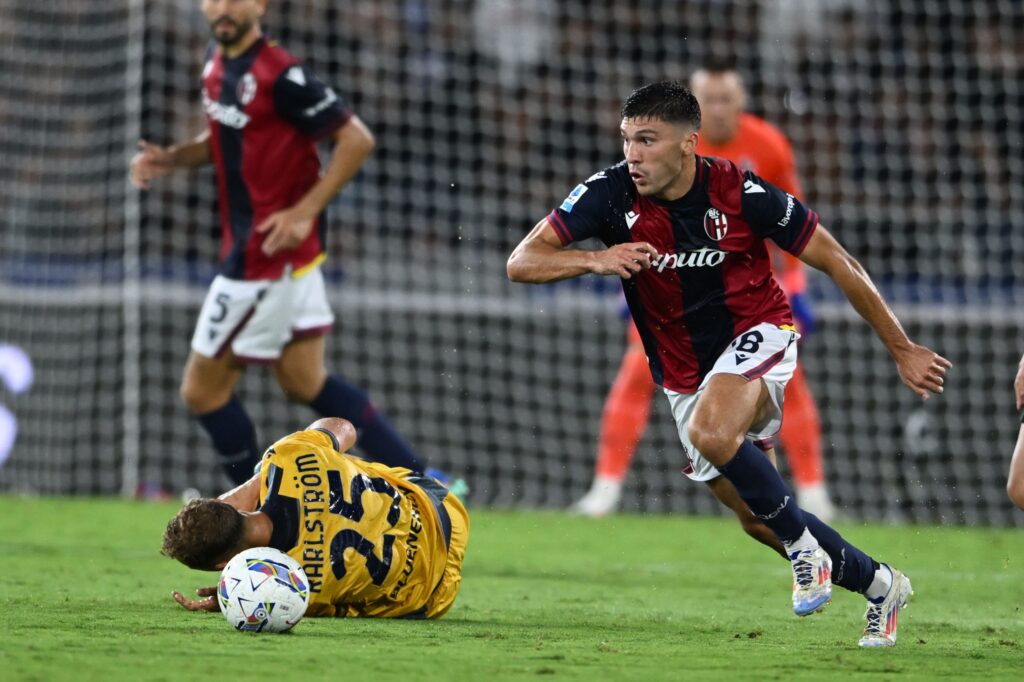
(763, 352)
(257, 318)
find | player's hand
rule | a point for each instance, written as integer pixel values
(922, 369)
(1018, 385)
(624, 260)
(285, 230)
(152, 161)
(207, 603)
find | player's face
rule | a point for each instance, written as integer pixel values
(656, 152)
(721, 97)
(232, 20)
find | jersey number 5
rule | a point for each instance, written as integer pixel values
(353, 510)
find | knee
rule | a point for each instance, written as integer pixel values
(197, 399)
(717, 444)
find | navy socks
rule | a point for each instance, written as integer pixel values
(377, 438)
(852, 569)
(764, 491)
(234, 439)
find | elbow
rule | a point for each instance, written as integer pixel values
(514, 269)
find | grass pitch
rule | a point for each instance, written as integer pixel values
(85, 595)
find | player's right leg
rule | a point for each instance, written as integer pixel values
(213, 370)
(207, 387)
(623, 422)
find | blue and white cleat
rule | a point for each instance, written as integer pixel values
(883, 617)
(812, 581)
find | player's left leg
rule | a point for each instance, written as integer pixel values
(801, 442)
(301, 374)
(1015, 481)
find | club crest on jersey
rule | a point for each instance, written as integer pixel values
(715, 224)
(246, 89)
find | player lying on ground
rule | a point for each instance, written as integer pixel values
(1015, 481)
(686, 235)
(373, 541)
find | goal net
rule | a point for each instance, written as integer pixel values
(906, 118)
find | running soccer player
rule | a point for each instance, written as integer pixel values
(687, 236)
(266, 112)
(1015, 481)
(373, 541)
(757, 146)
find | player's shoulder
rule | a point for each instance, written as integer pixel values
(301, 444)
(762, 133)
(274, 60)
(613, 181)
(719, 175)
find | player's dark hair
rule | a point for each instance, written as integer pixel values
(668, 101)
(203, 533)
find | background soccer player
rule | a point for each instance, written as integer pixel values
(686, 235)
(266, 111)
(373, 541)
(727, 131)
(1015, 481)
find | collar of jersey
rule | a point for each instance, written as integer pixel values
(260, 42)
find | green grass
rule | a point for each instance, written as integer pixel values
(85, 595)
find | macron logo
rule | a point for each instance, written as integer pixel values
(296, 76)
(631, 219)
(751, 187)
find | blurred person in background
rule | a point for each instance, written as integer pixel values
(266, 113)
(729, 132)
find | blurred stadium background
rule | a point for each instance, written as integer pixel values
(906, 117)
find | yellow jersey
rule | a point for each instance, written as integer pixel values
(373, 541)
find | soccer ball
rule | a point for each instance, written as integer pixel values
(263, 590)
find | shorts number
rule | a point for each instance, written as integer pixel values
(353, 511)
(221, 314)
(750, 342)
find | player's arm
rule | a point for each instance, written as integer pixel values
(342, 430)
(286, 229)
(921, 369)
(541, 257)
(153, 161)
(245, 497)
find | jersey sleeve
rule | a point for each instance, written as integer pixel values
(776, 215)
(589, 210)
(282, 509)
(304, 101)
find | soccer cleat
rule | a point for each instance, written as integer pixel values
(601, 500)
(812, 581)
(883, 618)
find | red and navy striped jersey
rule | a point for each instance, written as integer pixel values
(713, 279)
(266, 111)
